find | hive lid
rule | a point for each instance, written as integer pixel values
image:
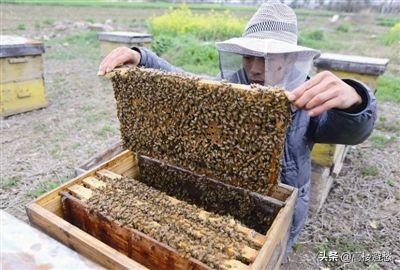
(124, 37)
(12, 46)
(230, 132)
(352, 63)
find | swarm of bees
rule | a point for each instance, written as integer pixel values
(212, 195)
(224, 131)
(179, 224)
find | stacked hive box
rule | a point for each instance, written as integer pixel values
(22, 85)
(112, 40)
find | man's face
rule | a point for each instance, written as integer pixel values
(277, 65)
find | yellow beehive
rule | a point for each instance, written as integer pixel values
(22, 85)
(112, 40)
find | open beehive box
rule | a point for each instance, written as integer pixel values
(197, 187)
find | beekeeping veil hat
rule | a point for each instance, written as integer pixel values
(271, 37)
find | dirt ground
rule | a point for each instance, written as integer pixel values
(41, 148)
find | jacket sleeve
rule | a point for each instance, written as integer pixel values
(151, 60)
(351, 126)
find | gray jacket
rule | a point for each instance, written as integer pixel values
(351, 126)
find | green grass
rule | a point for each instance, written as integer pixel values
(158, 5)
(380, 141)
(46, 186)
(370, 170)
(194, 56)
(37, 25)
(48, 21)
(389, 22)
(388, 88)
(7, 183)
(21, 26)
(391, 181)
(135, 5)
(42, 188)
(75, 46)
(318, 39)
(344, 27)
(392, 36)
(384, 124)
(374, 267)
(106, 130)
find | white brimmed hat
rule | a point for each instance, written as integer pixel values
(272, 29)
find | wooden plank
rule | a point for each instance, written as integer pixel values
(125, 164)
(273, 250)
(254, 236)
(78, 240)
(54, 206)
(321, 183)
(108, 174)
(93, 182)
(113, 150)
(234, 265)
(81, 192)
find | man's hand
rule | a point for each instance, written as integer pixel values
(118, 57)
(323, 92)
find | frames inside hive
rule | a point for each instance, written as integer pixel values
(211, 238)
(228, 132)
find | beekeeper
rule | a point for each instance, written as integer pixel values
(326, 109)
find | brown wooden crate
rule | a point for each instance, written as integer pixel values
(44, 213)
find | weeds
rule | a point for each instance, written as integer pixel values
(47, 185)
(391, 181)
(390, 22)
(37, 25)
(344, 27)
(194, 56)
(388, 88)
(21, 26)
(84, 43)
(370, 171)
(317, 39)
(7, 183)
(48, 21)
(392, 36)
(380, 141)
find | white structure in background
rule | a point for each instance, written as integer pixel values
(384, 6)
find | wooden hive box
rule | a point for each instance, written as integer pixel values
(265, 222)
(111, 40)
(22, 85)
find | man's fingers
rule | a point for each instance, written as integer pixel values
(104, 65)
(308, 95)
(299, 91)
(332, 103)
(117, 61)
(321, 98)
